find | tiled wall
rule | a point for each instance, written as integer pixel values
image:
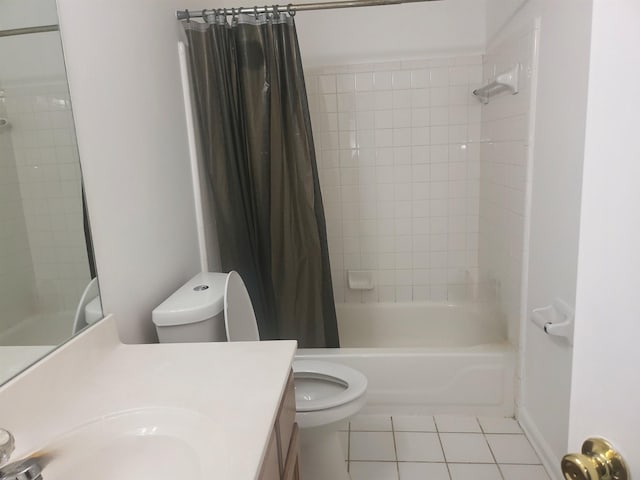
(503, 179)
(48, 170)
(16, 271)
(398, 157)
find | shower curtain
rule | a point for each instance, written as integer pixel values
(255, 130)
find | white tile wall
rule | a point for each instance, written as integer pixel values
(503, 180)
(17, 283)
(48, 171)
(398, 156)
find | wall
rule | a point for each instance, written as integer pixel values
(17, 283)
(555, 208)
(499, 13)
(124, 78)
(397, 32)
(36, 99)
(607, 307)
(398, 156)
(504, 163)
(46, 157)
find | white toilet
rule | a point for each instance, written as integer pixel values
(214, 307)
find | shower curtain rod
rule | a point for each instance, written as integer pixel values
(292, 8)
(28, 30)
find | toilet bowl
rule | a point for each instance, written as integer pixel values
(216, 307)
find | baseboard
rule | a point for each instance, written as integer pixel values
(550, 462)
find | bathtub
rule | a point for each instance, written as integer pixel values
(426, 358)
(51, 328)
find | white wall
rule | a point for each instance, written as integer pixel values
(557, 169)
(504, 164)
(29, 56)
(46, 157)
(17, 283)
(124, 78)
(605, 390)
(36, 98)
(395, 32)
(398, 158)
(499, 13)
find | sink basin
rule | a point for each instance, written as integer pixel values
(150, 443)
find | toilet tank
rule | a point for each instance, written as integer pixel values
(194, 312)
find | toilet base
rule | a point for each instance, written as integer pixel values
(322, 454)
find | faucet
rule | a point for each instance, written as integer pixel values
(26, 469)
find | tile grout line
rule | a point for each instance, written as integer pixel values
(484, 435)
(349, 447)
(435, 423)
(395, 447)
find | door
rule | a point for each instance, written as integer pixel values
(605, 390)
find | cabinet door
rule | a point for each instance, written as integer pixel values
(286, 420)
(291, 469)
(270, 466)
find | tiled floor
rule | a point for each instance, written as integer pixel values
(444, 447)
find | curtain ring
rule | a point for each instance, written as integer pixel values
(234, 16)
(266, 11)
(276, 12)
(290, 10)
(187, 14)
(255, 12)
(204, 15)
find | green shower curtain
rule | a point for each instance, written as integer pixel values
(255, 129)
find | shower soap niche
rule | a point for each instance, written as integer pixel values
(360, 280)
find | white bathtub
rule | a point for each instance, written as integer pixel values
(426, 358)
(51, 328)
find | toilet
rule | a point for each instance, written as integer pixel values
(216, 307)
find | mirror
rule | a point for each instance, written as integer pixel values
(48, 289)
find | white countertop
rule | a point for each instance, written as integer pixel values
(237, 386)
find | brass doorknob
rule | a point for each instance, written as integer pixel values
(598, 461)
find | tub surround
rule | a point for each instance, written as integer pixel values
(237, 386)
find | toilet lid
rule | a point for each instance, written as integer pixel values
(239, 318)
(354, 382)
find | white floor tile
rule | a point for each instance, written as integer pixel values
(499, 425)
(373, 471)
(457, 424)
(372, 446)
(371, 423)
(475, 471)
(512, 449)
(418, 447)
(524, 472)
(413, 423)
(422, 471)
(344, 441)
(466, 448)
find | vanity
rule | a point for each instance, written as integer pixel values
(98, 408)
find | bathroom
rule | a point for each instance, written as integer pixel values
(132, 133)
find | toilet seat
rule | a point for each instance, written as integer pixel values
(241, 326)
(239, 317)
(354, 382)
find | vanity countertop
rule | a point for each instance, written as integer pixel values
(236, 387)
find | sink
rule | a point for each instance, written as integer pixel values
(150, 443)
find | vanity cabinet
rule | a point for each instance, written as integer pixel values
(281, 458)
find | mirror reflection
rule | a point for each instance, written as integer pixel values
(48, 289)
